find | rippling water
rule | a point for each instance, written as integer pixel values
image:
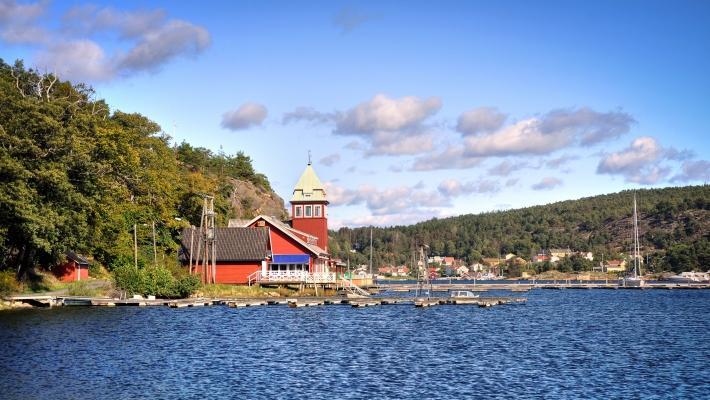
(562, 344)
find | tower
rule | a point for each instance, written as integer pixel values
(309, 207)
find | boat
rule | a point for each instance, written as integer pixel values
(463, 294)
(635, 279)
(690, 277)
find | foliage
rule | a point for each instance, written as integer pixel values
(83, 288)
(8, 284)
(156, 281)
(674, 229)
(76, 175)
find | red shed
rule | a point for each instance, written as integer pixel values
(76, 268)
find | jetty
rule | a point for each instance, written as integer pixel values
(526, 287)
(295, 302)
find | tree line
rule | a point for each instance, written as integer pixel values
(77, 175)
(674, 232)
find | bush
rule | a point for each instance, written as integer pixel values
(156, 281)
(8, 283)
(187, 285)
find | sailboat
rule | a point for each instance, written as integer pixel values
(635, 280)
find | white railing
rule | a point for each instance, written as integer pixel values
(353, 288)
(292, 276)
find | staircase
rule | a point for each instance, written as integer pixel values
(353, 288)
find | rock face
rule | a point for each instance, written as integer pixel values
(249, 200)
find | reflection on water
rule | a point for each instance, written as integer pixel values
(562, 344)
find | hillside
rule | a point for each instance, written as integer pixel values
(76, 175)
(674, 228)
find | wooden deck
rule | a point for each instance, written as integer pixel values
(295, 302)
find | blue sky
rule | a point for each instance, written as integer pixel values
(411, 112)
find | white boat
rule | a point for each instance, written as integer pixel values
(690, 277)
(635, 279)
(463, 294)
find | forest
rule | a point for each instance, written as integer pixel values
(76, 175)
(673, 227)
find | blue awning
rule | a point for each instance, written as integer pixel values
(291, 259)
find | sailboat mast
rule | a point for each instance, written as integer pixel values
(636, 241)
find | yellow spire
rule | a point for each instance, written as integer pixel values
(309, 187)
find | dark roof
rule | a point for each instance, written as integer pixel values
(233, 244)
(79, 259)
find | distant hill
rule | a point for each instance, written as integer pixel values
(674, 228)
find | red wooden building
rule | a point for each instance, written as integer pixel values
(265, 249)
(76, 268)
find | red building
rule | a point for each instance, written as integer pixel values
(76, 268)
(265, 249)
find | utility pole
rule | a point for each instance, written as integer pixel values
(207, 238)
(155, 250)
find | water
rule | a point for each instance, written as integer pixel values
(562, 344)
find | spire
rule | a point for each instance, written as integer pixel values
(309, 187)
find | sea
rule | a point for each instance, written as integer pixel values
(561, 344)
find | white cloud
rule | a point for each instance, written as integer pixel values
(308, 114)
(390, 126)
(587, 125)
(244, 117)
(694, 171)
(453, 157)
(19, 22)
(523, 137)
(384, 114)
(77, 60)
(506, 167)
(399, 199)
(480, 120)
(543, 135)
(559, 161)
(164, 43)
(89, 19)
(547, 183)
(139, 41)
(637, 163)
(455, 188)
(330, 159)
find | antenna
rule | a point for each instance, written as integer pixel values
(309, 157)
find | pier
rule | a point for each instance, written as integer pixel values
(297, 302)
(525, 287)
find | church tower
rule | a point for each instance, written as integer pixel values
(309, 207)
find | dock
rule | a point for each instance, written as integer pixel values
(297, 302)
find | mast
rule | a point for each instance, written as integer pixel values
(371, 253)
(636, 241)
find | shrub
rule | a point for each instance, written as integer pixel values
(127, 278)
(157, 281)
(187, 285)
(8, 283)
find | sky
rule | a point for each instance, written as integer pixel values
(409, 111)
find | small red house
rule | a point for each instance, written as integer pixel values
(76, 268)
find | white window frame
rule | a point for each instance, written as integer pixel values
(317, 211)
(308, 211)
(298, 213)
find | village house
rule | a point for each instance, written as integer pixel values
(267, 250)
(559, 253)
(462, 270)
(615, 266)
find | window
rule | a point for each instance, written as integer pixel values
(308, 211)
(298, 211)
(316, 211)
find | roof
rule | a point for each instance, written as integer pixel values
(309, 187)
(237, 223)
(232, 244)
(77, 258)
(286, 229)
